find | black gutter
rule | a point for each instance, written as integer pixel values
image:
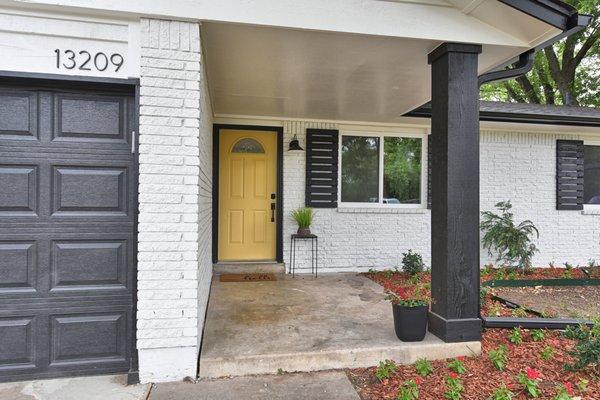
(522, 67)
(532, 323)
(555, 13)
(514, 117)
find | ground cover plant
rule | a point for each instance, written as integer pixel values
(515, 364)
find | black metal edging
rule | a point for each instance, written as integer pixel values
(531, 323)
(215, 192)
(541, 282)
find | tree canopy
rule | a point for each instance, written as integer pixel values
(567, 73)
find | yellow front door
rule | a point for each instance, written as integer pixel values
(247, 191)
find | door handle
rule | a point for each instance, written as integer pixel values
(272, 212)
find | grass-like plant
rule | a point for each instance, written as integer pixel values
(511, 241)
(303, 217)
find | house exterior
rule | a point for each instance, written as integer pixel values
(141, 143)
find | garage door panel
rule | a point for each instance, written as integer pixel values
(19, 190)
(17, 343)
(88, 338)
(89, 191)
(19, 115)
(89, 265)
(18, 266)
(90, 118)
(67, 232)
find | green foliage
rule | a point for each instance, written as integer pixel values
(566, 73)
(515, 336)
(582, 385)
(410, 296)
(530, 385)
(499, 357)
(483, 291)
(511, 242)
(562, 393)
(547, 353)
(412, 263)
(423, 367)
(303, 216)
(385, 369)
(538, 335)
(457, 366)
(587, 347)
(402, 169)
(519, 312)
(408, 391)
(502, 393)
(454, 388)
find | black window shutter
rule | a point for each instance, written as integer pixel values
(429, 172)
(569, 175)
(321, 168)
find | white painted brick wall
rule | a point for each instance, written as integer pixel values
(515, 166)
(175, 124)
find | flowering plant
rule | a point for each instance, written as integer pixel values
(529, 381)
(410, 390)
(409, 296)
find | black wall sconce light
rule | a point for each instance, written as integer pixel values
(295, 144)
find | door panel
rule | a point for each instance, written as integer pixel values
(67, 231)
(248, 177)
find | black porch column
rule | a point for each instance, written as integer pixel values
(455, 193)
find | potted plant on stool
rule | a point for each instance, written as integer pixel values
(410, 306)
(303, 217)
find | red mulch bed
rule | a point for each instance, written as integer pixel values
(481, 377)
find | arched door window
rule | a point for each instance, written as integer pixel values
(248, 145)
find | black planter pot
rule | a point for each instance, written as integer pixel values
(410, 323)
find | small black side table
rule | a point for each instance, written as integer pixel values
(314, 252)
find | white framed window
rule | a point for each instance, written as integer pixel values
(382, 169)
(591, 175)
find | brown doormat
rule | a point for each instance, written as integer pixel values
(247, 277)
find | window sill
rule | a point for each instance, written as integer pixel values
(383, 210)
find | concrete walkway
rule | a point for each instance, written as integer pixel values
(331, 385)
(302, 324)
(104, 387)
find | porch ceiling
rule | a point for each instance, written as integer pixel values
(279, 72)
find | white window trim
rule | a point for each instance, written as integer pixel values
(381, 135)
(591, 208)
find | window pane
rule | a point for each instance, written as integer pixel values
(591, 175)
(402, 170)
(360, 169)
(247, 145)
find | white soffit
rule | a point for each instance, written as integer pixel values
(308, 74)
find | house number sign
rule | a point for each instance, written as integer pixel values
(86, 61)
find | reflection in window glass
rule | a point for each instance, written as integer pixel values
(247, 145)
(591, 175)
(360, 169)
(402, 170)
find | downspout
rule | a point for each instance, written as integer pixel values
(521, 67)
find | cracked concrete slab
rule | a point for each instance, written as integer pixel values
(330, 385)
(103, 387)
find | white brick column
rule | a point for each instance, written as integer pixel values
(170, 93)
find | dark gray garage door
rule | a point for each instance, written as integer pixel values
(67, 212)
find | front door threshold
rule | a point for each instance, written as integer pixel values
(248, 267)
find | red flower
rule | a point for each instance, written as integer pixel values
(532, 373)
(462, 358)
(453, 375)
(418, 380)
(569, 388)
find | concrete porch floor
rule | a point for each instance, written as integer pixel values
(334, 321)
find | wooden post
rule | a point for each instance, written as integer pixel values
(454, 316)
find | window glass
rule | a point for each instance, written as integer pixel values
(591, 175)
(360, 169)
(247, 145)
(402, 170)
